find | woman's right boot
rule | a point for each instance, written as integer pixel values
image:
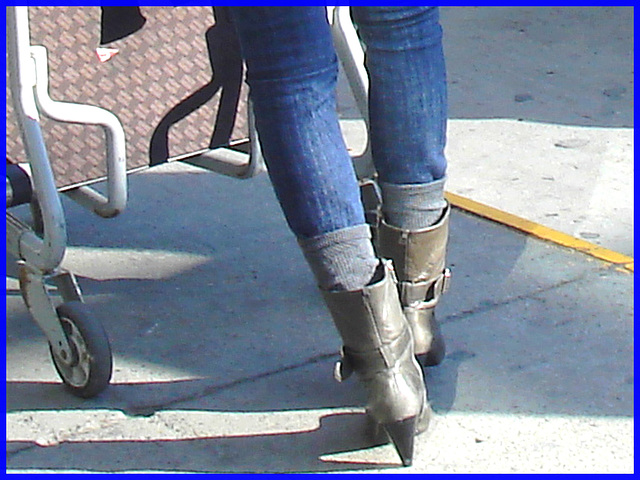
(419, 259)
(378, 347)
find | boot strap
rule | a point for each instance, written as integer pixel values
(371, 196)
(372, 361)
(425, 294)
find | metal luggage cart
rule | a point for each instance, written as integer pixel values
(40, 164)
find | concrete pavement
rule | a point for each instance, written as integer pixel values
(223, 350)
(541, 115)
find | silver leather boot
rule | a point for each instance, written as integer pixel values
(378, 347)
(419, 259)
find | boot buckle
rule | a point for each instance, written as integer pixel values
(446, 280)
(425, 294)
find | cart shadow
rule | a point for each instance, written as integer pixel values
(198, 438)
(339, 442)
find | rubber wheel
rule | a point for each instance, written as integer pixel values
(88, 372)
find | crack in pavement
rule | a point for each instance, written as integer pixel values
(150, 409)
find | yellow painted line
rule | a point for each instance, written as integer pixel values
(540, 231)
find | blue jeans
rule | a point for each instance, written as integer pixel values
(292, 73)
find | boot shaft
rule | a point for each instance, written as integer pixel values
(418, 255)
(370, 318)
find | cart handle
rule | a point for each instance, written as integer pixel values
(67, 112)
(351, 55)
(47, 252)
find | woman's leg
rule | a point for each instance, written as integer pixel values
(292, 71)
(407, 105)
(408, 109)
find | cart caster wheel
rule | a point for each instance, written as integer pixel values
(88, 371)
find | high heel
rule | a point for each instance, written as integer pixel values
(378, 347)
(402, 435)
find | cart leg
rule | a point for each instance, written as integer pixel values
(68, 287)
(36, 297)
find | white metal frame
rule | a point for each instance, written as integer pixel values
(40, 254)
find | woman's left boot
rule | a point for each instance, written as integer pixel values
(378, 347)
